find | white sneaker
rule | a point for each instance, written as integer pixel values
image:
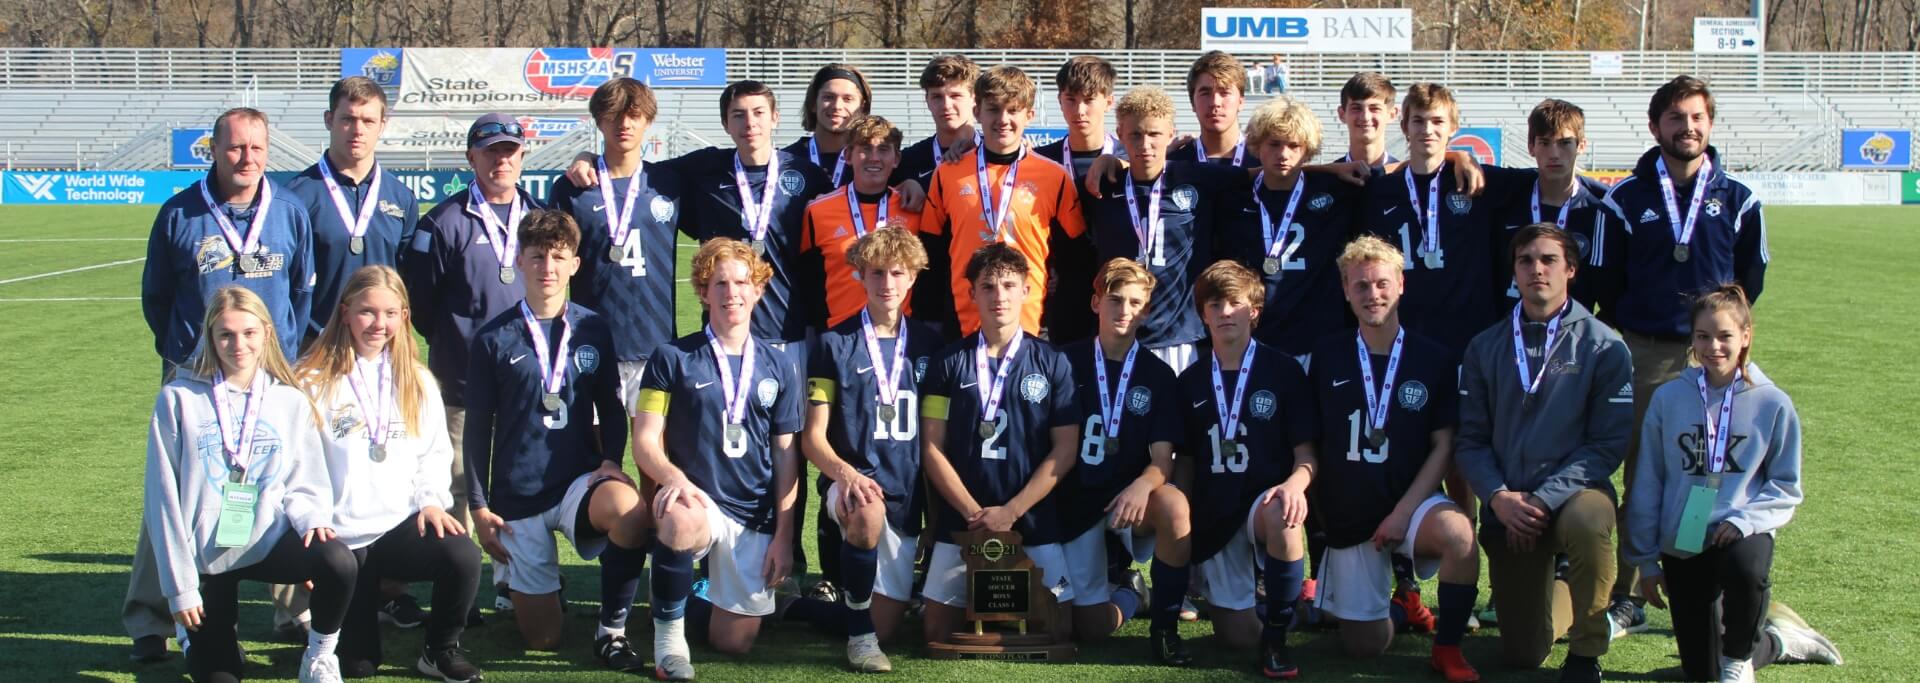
(1801, 644)
(321, 669)
(863, 652)
(1736, 670)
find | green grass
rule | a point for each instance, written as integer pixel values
(77, 380)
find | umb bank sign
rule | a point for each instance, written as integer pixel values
(1246, 30)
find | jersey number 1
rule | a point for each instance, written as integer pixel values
(1356, 451)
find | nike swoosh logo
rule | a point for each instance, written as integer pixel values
(1387, 210)
(1339, 382)
(862, 371)
(516, 359)
(1197, 404)
(702, 385)
(969, 385)
(599, 207)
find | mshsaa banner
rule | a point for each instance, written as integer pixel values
(546, 78)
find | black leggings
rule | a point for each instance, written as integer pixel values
(1719, 603)
(451, 563)
(214, 649)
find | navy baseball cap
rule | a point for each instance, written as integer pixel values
(493, 128)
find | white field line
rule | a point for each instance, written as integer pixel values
(68, 299)
(25, 278)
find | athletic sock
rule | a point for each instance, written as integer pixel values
(620, 570)
(672, 583)
(1456, 604)
(1168, 589)
(1127, 601)
(321, 644)
(857, 569)
(1283, 578)
(669, 638)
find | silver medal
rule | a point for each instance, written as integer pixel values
(379, 452)
(236, 474)
(357, 245)
(1376, 437)
(760, 247)
(506, 275)
(1271, 265)
(987, 428)
(1109, 444)
(551, 402)
(248, 263)
(887, 413)
(615, 253)
(1682, 252)
(1228, 446)
(736, 432)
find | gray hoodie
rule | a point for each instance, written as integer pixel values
(1760, 488)
(187, 478)
(1574, 434)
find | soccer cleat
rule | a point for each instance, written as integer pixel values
(1138, 583)
(503, 600)
(1452, 665)
(1736, 670)
(1277, 663)
(1169, 649)
(319, 669)
(358, 668)
(1188, 612)
(864, 655)
(1624, 617)
(149, 649)
(1419, 618)
(823, 591)
(616, 653)
(402, 611)
(1798, 642)
(1578, 669)
(450, 665)
(673, 668)
(1488, 617)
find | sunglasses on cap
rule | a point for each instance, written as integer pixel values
(490, 129)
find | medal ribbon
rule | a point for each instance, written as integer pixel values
(1430, 215)
(240, 245)
(1200, 151)
(1718, 431)
(734, 410)
(840, 162)
(375, 404)
(553, 373)
(995, 213)
(1230, 413)
(759, 217)
(356, 224)
(506, 242)
(1546, 353)
(1683, 232)
(888, 374)
(1110, 408)
(619, 221)
(235, 444)
(1377, 403)
(860, 219)
(1066, 153)
(1149, 232)
(990, 395)
(1279, 247)
(1558, 221)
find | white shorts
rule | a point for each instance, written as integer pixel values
(1178, 355)
(947, 573)
(893, 573)
(736, 565)
(631, 372)
(535, 569)
(1356, 582)
(1229, 577)
(1087, 560)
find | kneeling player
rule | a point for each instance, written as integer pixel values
(1252, 429)
(1126, 464)
(1008, 397)
(1381, 387)
(725, 464)
(863, 432)
(537, 463)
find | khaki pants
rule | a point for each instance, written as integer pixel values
(1655, 362)
(144, 611)
(1525, 593)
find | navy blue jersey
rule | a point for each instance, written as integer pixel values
(1586, 221)
(1038, 396)
(520, 456)
(1277, 415)
(634, 293)
(395, 212)
(188, 259)
(1072, 261)
(1357, 484)
(1304, 298)
(1451, 293)
(1147, 417)
(829, 161)
(1196, 200)
(1185, 152)
(795, 298)
(842, 375)
(917, 162)
(1729, 244)
(682, 384)
(453, 277)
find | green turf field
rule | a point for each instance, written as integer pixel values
(78, 374)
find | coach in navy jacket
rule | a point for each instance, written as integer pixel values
(390, 229)
(455, 283)
(1729, 245)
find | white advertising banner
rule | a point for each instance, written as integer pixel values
(1831, 189)
(542, 79)
(1245, 30)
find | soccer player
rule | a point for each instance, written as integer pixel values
(237, 489)
(997, 429)
(1122, 482)
(863, 434)
(1556, 137)
(627, 220)
(836, 96)
(732, 505)
(1541, 454)
(947, 86)
(1386, 399)
(1719, 476)
(1083, 87)
(1251, 430)
(387, 452)
(996, 195)
(361, 213)
(1681, 225)
(1368, 105)
(838, 219)
(1161, 213)
(1216, 89)
(224, 230)
(537, 462)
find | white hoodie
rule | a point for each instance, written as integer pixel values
(187, 478)
(370, 498)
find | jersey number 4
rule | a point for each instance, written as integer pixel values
(1434, 260)
(632, 259)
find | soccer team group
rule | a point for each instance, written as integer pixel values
(1204, 352)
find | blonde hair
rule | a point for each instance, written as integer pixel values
(1227, 280)
(206, 360)
(333, 355)
(887, 247)
(1370, 249)
(1285, 118)
(1144, 103)
(713, 251)
(1120, 272)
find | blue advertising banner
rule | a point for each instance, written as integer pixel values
(95, 187)
(192, 148)
(1482, 143)
(378, 63)
(431, 187)
(1887, 148)
(1038, 136)
(532, 80)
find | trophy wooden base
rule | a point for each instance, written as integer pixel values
(1004, 647)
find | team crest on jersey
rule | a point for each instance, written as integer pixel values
(213, 254)
(662, 209)
(1585, 244)
(1563, 366)
(768, 389)
(1459, 203)
(1413, 395)
(1264, 404)
(1184, 197)
(586, 359)
(919, 369)
(1714, 206)
(1034, 388)
(392, 210)
(791, 182)
(1320, 202)
(1139, 400)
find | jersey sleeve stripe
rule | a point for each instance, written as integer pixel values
(820, 390)
(653, 401)
(934, 407)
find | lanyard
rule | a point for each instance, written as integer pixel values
(619, 221)
(757, 216)
(1378, 402)
(1111, 404)
(1683, 232)
(1718, 431)
(734, 410)
(1558, 221)
(1278, 246)
(1200, 151)
(240, 245)
(553, 367)
(994, 213)
(1066, 153)
(888, 374)
(236, 431)
(375, 399)
(990, 395)
(356, 223)
(1430, 214)
(860, 219)
(506, 242)
(1530, 387)
(840, 162)
(1230, 413)
(1147, 231)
